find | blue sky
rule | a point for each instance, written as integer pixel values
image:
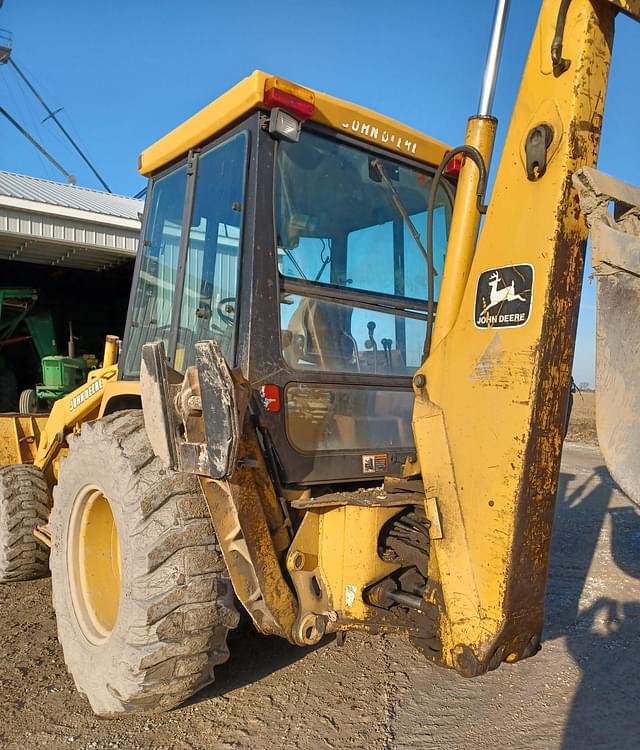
(127, 72)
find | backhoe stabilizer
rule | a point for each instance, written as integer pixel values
(615, 256)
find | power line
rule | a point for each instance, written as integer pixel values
(53, 116)
(41, 149)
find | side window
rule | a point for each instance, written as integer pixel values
(209, 300)
(155, 292)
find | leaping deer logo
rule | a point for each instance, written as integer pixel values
(506, 294)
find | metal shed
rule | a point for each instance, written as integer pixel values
(54, 224)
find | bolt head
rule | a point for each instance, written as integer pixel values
(419, 380)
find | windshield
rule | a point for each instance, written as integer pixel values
(353, 273)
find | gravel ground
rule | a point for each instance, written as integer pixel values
(580, 692)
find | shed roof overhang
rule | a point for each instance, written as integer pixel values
(39, 232)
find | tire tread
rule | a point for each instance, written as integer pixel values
(24, 504)
(168, 648)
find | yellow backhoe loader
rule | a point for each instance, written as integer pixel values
(334, 407)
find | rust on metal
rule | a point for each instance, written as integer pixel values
(629, 7)
(365, 498)
(489, 430)
(527, 575)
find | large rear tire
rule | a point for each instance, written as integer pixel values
(142, 597)
(24, 504)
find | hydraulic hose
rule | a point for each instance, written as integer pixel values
(560, 64)
(476, 157)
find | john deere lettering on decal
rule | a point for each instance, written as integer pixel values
(504, 296)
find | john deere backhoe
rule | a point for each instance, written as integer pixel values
(334, 407)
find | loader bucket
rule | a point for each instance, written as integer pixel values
(19, 438)
(612, 209)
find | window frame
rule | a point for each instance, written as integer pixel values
(137, 268)
(191, 160)
(184, 256)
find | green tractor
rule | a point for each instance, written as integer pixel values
(60, 375)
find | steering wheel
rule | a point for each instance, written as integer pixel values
(226, 309)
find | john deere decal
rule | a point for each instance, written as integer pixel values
(503, 297)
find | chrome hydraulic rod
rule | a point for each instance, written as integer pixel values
(493, 58)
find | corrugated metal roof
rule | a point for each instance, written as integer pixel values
(70, 196)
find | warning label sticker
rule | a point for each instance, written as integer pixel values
(375, 463)
(504, 296)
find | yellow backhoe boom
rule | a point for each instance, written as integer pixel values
(492, 397)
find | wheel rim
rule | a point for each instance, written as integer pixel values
(93, 563)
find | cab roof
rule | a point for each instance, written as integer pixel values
(249, 94)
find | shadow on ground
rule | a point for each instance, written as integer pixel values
(253, 657)
(602, 636)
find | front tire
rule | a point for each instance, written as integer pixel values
(141, 593)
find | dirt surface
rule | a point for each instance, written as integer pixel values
(580, 691)
(582, 424)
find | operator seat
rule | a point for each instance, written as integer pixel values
(320, 335)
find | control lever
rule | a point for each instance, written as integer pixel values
(370, 343)
(386, 345)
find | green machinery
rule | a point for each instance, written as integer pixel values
(19, 322)
(60, 375)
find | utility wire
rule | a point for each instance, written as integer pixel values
(9, 95)
(70, 124)
(23, 109)
(53, 116)
(41, 149)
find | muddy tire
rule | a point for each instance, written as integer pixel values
(142, 597)
(24, 504)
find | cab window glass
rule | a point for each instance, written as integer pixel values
(155, 292)
(347, 218)
(209, 300)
